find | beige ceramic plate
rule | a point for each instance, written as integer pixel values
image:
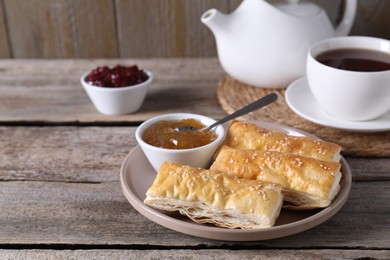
(137, 175)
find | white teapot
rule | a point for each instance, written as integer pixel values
(266, 45)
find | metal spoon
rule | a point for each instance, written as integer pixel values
(266, 100)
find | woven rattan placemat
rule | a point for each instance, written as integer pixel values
(233, 95)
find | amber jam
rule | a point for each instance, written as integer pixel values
(163, 134)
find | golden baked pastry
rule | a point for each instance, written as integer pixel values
(306, 182)
(211, 197)
(249, 136)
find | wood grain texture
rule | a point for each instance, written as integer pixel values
(73, 196)
(86, 154)
(372, 19)
(51, 91)
(136, 28)
(165, 28)
(95, 154)
(60, 193)
(35, 212)
(5, 51)
(61, 29)
(208, 254)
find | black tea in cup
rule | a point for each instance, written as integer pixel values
(355, 59)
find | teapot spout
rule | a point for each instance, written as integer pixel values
(214, 20)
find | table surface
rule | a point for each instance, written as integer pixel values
(60, 194)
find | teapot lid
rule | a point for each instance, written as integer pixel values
(293, 7)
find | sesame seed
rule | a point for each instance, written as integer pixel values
(297, 162)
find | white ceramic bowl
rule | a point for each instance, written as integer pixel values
(117, 101)
(195, 157)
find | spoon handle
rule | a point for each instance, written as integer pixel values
(266, 100)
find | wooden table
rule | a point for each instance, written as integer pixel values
(60, 195)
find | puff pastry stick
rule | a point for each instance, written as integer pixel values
(211, 197)
(249, 136)
(306, 182)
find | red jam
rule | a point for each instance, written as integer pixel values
(116, 77)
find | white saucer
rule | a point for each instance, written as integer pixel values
(300, 99)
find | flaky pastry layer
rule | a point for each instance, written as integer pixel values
(210, 197)
(249, 136)
(306, 182)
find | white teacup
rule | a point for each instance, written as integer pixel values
(350, 94)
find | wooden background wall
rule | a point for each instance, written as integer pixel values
(135, 28)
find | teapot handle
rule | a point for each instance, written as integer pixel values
(345, 25)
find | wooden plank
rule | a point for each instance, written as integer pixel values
(61, 29)
(172, 28)
(372, 16)
(105, 28)
(58, 213)
(207, 254)
(4, 48)
(51, 91)
(68, 154)
(372, 19)
(165, 28)
(365, 169)
(95, 154)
